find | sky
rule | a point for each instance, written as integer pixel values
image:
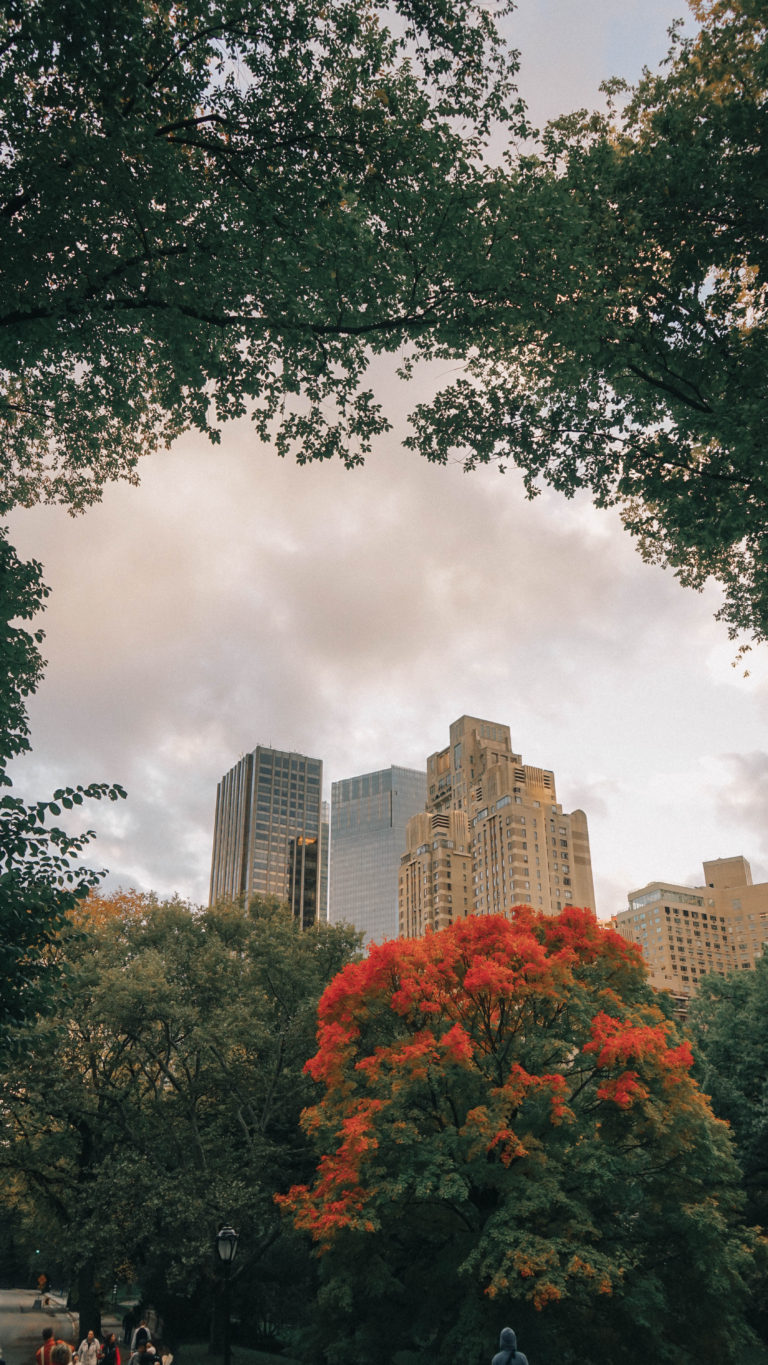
(234, 599)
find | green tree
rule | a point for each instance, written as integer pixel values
(509, 1131)
(41, 878)
(163, 1100)
(222, 202)
(630, 359)
(729, 1022)
(220, 207)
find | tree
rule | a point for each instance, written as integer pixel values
(41, 878)
(22, 596)
(163, 1099)
(223, 203)
(220, 207)
(729, 1023)
(509, 1130)
(631, 360)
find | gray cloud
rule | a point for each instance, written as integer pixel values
(742, 806)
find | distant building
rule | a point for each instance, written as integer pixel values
(521, 846)
(325, 845)
(268, 832)
(686, 932)
(369, 815)
(435, 881)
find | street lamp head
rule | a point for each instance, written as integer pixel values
(226, 1244)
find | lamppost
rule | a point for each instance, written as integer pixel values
(226, 1245)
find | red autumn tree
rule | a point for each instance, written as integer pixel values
(510, 1132)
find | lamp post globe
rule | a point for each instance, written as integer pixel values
(226, 1244)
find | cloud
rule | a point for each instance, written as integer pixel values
(741, 792)
(234, 600)
(567, 50)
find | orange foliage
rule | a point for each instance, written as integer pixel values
(623, 1040)
(98, 910)
(430, 1041)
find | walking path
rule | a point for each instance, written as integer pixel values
(23, 1315)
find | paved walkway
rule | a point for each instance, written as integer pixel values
(24, 1314)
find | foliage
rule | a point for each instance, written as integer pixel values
(729, 1022)
(630, 356)
(509, 1131)
(22, 595)
(221, 207)
(41, 878)
(163, 1099)
(219, 202)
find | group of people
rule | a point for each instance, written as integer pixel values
(93, 1351)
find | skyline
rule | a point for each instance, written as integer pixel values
(233, 600)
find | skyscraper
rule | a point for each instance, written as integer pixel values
(524, 848)
(267, 836)
(369, 815)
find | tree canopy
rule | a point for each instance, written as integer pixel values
(637, 367)
(222, 202)
(220, 207)
(41, 877)
(729, 1020)
(162, 1100)
(509, 1130)
(729, 1025)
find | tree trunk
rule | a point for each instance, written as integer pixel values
(216, 1333)
(88, 1303)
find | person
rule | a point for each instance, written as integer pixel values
(142, 1334)
(128, 1321)
(88, 1350)
(508, 1353)
(43, 1353)
(110, 1351)
(143, 1355)
(61, 1354)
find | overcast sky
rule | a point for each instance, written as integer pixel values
(233, 600)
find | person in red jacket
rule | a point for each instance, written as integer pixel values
(43, 1353)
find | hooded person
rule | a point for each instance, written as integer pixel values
(508, 1353)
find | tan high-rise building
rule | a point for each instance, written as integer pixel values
(686, 932)
(524, 848)
(435, 877)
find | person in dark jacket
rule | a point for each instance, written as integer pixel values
(110, 1351)
(508, 1353)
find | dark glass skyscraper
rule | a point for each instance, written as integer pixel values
(267, 837)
